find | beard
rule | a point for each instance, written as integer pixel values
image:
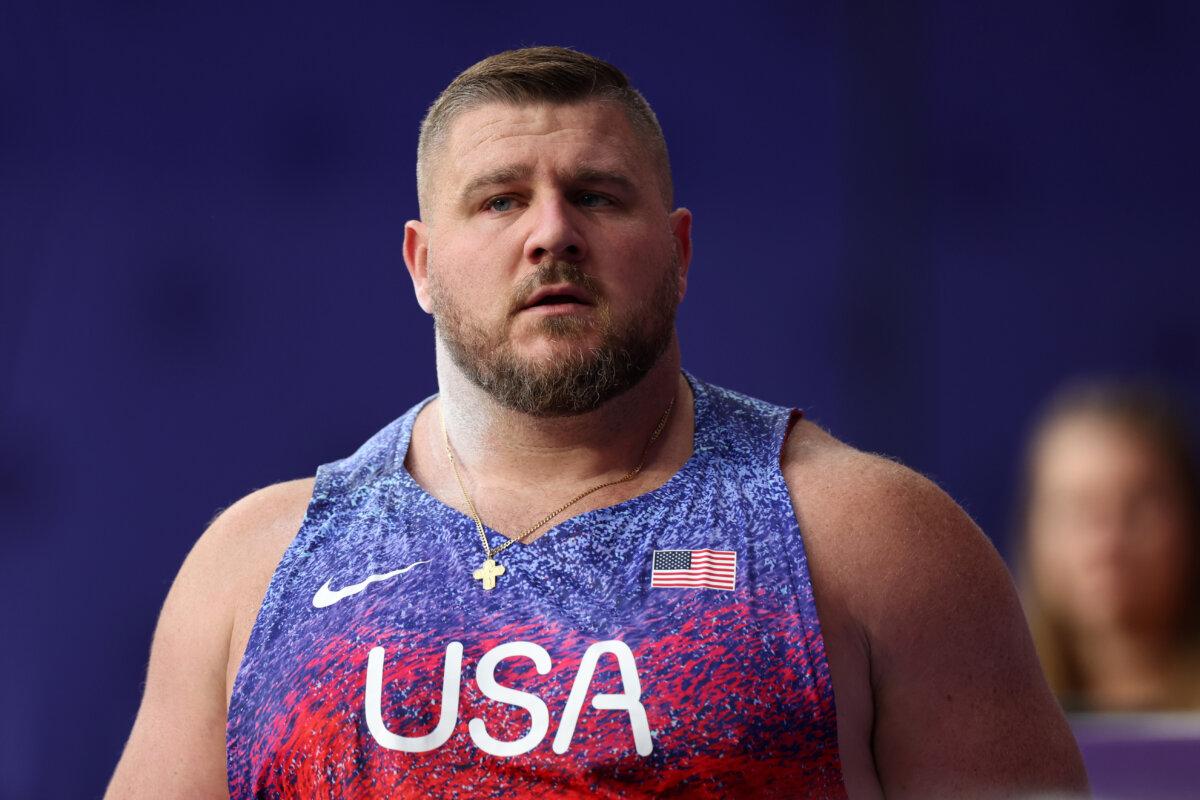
(578, 378)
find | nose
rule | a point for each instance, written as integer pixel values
(554, 233)
(1111, 530)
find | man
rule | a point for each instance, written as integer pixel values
(573, 517)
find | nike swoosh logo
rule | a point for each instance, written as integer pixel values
(326, 597)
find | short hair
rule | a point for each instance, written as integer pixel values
(533, 75)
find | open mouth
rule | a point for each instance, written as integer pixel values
(560, 297)
(557, 299)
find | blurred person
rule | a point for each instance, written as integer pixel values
(572, 516)
(1111, 549)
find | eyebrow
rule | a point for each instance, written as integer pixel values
(511, 173)
(505, 174)
(597, 175)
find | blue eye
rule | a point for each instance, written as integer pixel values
(500, 204)
(592, 200)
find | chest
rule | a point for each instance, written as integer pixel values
(575, 669)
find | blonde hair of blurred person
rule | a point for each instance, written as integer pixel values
(1111, 549)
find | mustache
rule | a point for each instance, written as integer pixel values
(551, 272)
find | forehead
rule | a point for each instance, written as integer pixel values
(1089, 448)
(598, 134)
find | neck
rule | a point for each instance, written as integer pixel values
(508, 446)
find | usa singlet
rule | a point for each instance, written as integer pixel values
(667, 645)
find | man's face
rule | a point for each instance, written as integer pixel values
(549, 261)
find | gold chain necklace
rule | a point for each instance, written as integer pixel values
(490, 570)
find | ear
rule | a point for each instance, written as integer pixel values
(680, 221)
(416, 258)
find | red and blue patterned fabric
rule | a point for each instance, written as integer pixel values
(379, 667)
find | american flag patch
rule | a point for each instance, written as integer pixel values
(694, 569)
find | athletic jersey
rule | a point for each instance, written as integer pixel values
(666, 645)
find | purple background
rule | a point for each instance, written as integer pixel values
(912, 220)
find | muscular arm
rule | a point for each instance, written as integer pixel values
(959, 704)
(177, 747)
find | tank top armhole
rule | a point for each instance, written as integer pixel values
(783, 425)
(325, 488)
(331, 484)
(787, 420)
(334, 480)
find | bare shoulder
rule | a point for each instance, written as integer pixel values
(177, 746)
(224, 577)
(236, 556)
(249, 538)
(929, 613)
(263, 516)
(869, 518)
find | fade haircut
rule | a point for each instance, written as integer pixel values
(537, 75)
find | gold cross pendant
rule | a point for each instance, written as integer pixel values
(488, 573)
